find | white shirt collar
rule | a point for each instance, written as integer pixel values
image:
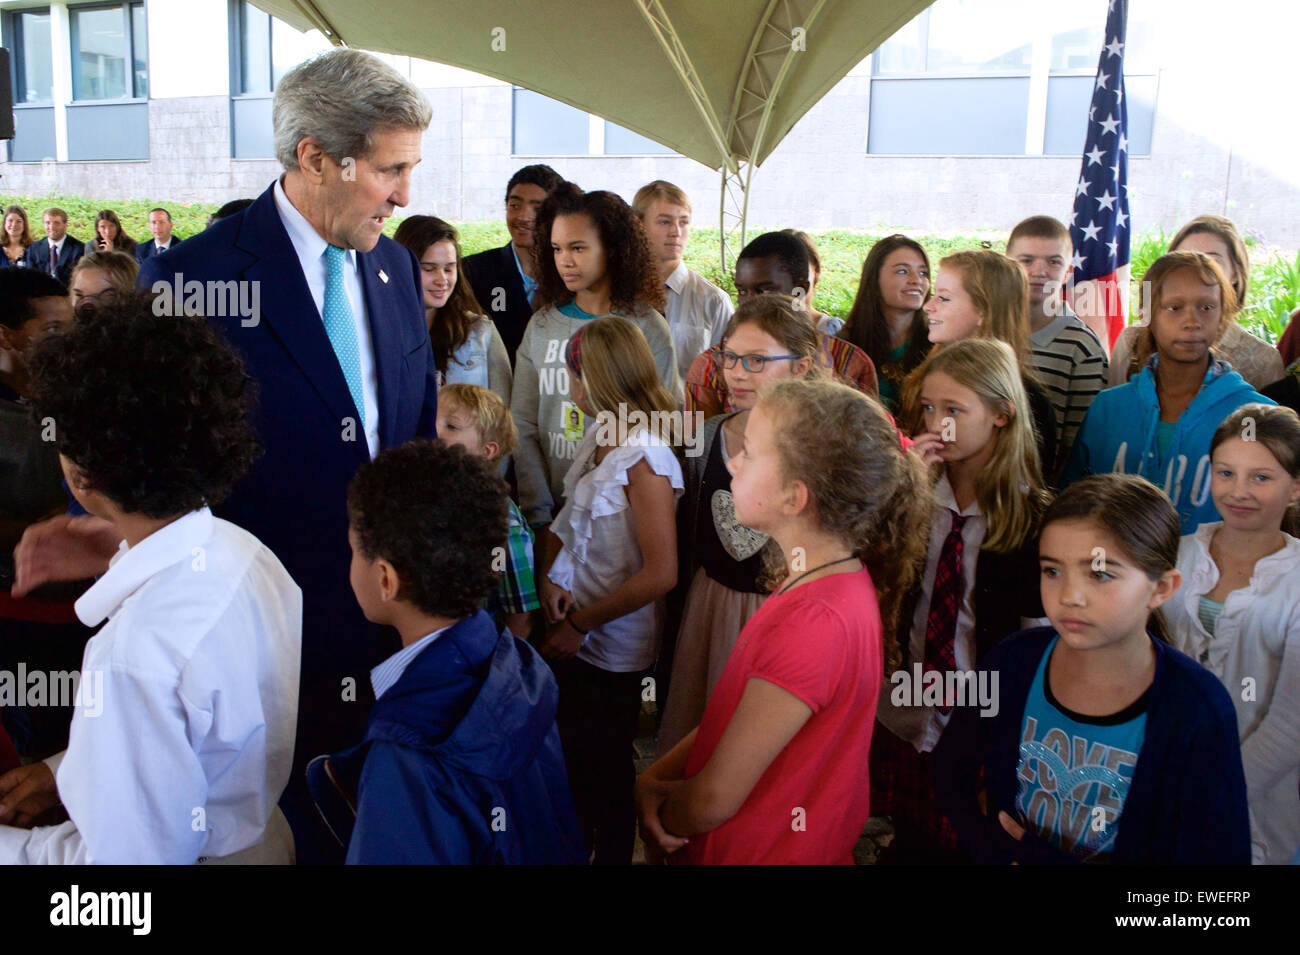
(132, 567)
(943, 497)
(677, 280)
(308, 243)
(390, 671)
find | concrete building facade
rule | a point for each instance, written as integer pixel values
(970, 117)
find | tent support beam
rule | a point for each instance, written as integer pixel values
(664, 31)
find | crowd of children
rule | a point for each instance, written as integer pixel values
(919, 562)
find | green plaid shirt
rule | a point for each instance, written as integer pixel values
(518, 590)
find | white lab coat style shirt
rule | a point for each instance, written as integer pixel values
(697, 312)
(188, 746)
(1255, 651)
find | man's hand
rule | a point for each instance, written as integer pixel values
(63, 548)
(25, 793)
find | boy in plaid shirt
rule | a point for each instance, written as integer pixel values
(478, 420)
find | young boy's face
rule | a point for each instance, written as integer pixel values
(457, 426)
(1044, 261)
(366, 577)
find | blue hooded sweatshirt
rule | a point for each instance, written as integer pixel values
(1119, 435)
(461, 762)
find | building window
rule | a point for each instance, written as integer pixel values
(958, 80)
(542, 126)
(33, 64)
(110, 55)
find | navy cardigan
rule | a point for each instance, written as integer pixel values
(1187, 801)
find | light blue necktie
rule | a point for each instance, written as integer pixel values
(339, 326)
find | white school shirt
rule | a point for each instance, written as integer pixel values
(697, 312)
(1256, 637)
(310, 247)
(922, 726)
(188, 742)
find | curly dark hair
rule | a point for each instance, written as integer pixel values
(455, 320)
(438, 514)
(152, 410)
(866, 326)
(633, 277)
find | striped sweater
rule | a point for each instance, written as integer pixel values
(1071, 364)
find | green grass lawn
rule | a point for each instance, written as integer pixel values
(1274, 288)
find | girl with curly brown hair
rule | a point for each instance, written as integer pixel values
(595, 260)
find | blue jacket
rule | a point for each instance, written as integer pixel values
(461, 763)
(1187, 801)
(1119, 436)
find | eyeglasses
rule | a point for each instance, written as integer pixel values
(754, 364)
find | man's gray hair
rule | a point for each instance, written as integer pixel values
(342, 98)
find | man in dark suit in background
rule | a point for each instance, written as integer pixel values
(504, 279)
(58, 252)
(160, 226)
(328, 315)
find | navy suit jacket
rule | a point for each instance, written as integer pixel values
(144, 249)
(38, 256)
(496, 269)
(294, 498)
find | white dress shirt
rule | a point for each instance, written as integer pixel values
(922, 726)
(697, 312)
(390, 671)
(188, 744)
(310, 246)
(1256, 638)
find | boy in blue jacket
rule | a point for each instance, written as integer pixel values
(1159, 425)
(461, 762)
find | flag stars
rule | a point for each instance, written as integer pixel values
(1082, 188)
(1095, 156)
(1110, 125)
(1113, 245)
(1114, 47)
(1101, 80)
(1090, 232)
(1121, 217)
(1076, 262)
(1123, 143)
(1106, 201)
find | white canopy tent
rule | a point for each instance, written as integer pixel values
(719, 81)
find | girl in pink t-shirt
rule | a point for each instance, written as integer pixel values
(777, 770)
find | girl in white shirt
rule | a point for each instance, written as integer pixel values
(1238, 611)
(608, 559)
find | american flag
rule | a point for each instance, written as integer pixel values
(1099, 229)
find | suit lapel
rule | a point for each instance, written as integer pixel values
(289, 311)
(385, 341)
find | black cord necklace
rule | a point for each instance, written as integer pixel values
(813, 571)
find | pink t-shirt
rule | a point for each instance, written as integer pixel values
(821, 642)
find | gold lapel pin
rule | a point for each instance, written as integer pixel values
(383, 276)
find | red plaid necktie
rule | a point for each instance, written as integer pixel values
(945, 600)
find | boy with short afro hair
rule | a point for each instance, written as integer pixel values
(186, 706)
(461, 762)
(479, 421)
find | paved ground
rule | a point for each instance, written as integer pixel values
(876, 836)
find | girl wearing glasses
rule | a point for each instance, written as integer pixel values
(727, 568)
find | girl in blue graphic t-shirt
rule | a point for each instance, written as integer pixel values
(1107, 744)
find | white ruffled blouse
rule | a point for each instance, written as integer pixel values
(600, 551)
